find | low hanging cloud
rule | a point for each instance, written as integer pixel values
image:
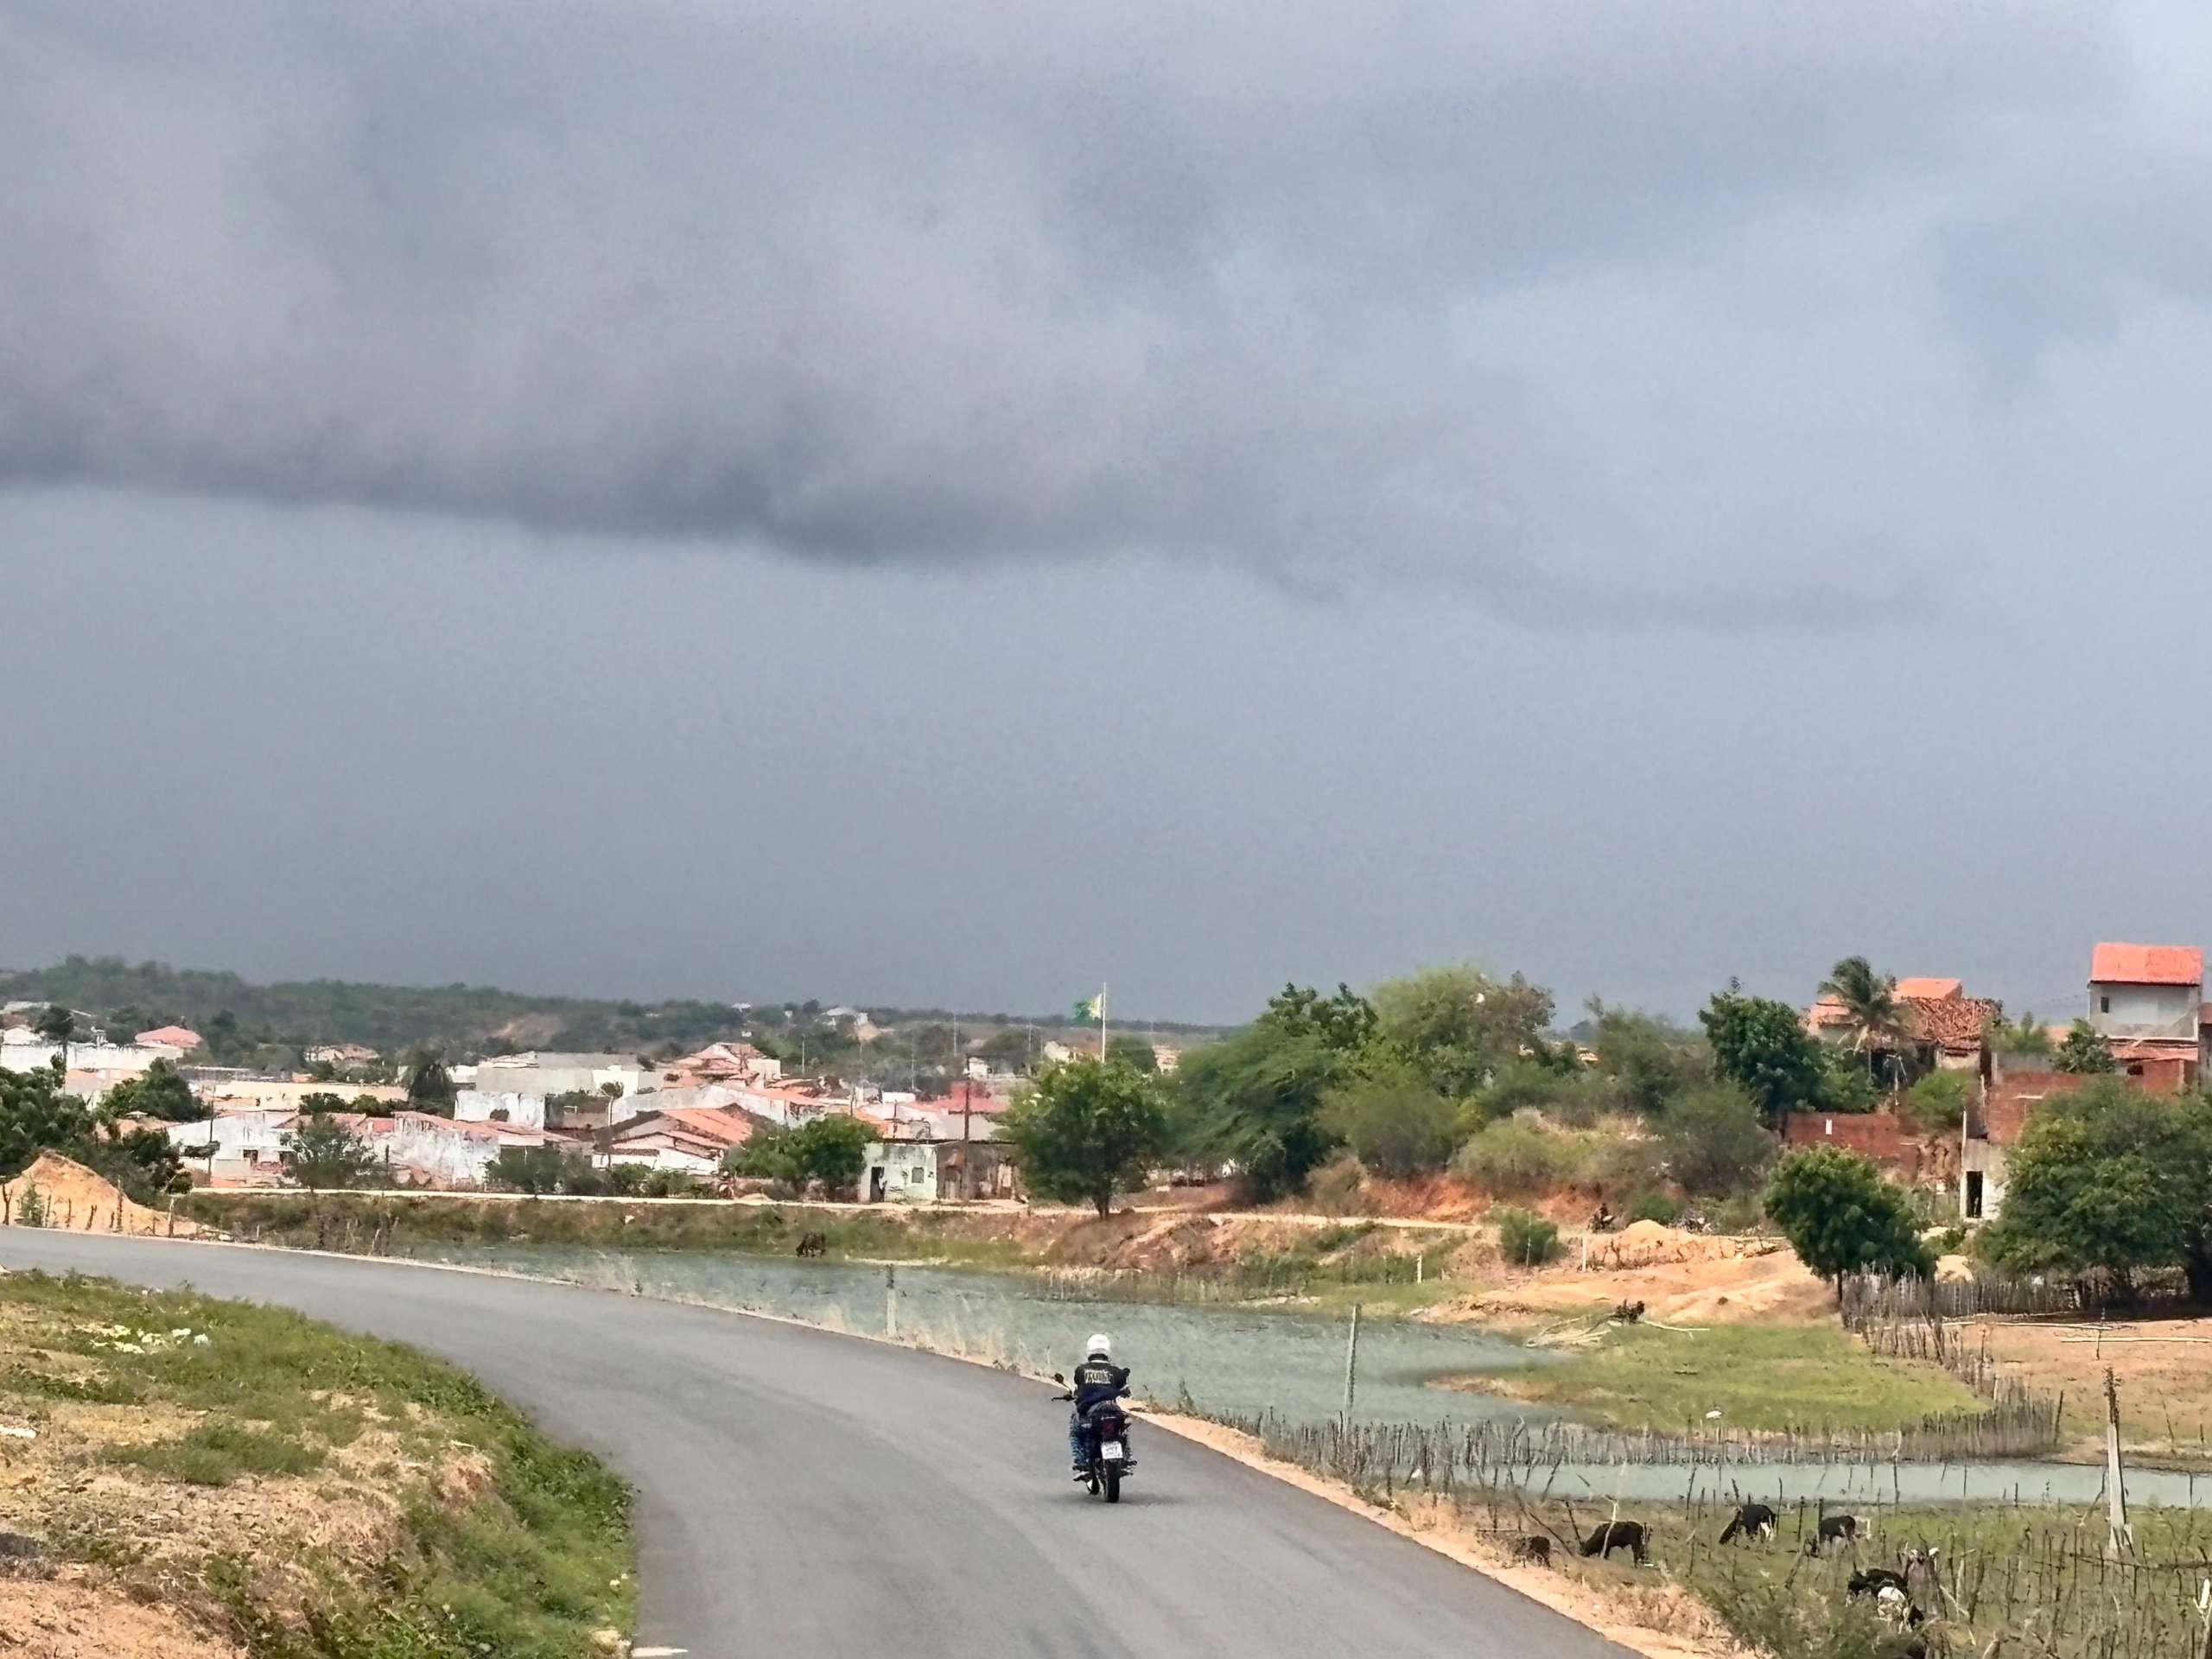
(1311, 289)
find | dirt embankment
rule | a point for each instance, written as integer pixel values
(72, 1196)
(1681, 1278)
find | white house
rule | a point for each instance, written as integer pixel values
(900, 1172)
(2147, 1001)
(449, 1152)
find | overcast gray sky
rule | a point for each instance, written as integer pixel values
(953, 504)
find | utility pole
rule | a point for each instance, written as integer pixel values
(1351, 1365)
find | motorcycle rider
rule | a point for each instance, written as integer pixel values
(1097, 1379)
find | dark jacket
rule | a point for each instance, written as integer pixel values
(1097, 1381)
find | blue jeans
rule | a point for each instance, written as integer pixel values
(1078, 1441)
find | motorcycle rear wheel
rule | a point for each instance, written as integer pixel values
(1113, 1482)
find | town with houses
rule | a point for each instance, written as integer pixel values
(683, 1117)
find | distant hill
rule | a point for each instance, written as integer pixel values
(463, 1019)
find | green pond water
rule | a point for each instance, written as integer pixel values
(1229, 1359)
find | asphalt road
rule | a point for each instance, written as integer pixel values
(807, 1494)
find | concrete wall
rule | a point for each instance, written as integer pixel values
(2141, 1011)
(477, 1105)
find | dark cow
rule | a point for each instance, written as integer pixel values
(1834, 1529)
(814, 1244)
(1616, 1535)
(1875, 1580)
(1749, 1521)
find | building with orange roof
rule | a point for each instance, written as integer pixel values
(2147, 1001)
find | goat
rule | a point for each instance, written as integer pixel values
(1616, 1535)
(1533, 1547)
(1834, 1529)
(814, 1244)
(1875, 1580)
(1749, 1521)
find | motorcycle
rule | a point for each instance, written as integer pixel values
(1106, 1441)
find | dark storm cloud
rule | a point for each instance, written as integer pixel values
(1243, 284)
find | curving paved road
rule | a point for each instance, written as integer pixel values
(809, 1494)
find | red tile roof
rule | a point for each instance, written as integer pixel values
(2146, 964)
(171, 1037)
(1956, 1023)
(1926, 990)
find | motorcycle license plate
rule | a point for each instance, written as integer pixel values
(1112, 1452)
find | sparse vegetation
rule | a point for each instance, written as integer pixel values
(530, 1558)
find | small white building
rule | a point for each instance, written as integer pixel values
(446, 1152)
(900, 1172)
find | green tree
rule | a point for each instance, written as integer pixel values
(532, 1169)
(430, 1085)
(326, 1154)
(2110, 1178)
(1254, 1099)
(2028, 1037)
(1652, 1061)
(1937, 1103)
(1713, 1141)
(1394, 1123)
(57, 1025)
(1841, 1217)
(1761, 1046)
(2085, 1052)
(1456, 1027)
(1845, 1084)
(831, 1149)
(35, 1112)
(1871, 1014)
(1083, 1131)
(1133, 1052)
(158, 1091)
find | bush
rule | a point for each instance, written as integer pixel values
(1524, 1238)
(1338, 1187)
(1937, 1103)
(1657, 1206)
(1713, 1142)
(1511, 1158)
(1397, 1126)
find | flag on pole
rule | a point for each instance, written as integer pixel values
(1090, 1008)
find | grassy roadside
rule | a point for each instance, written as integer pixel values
(262, 1485)
(1996, 1577)
(1759, 1376)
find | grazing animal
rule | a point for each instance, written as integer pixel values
(1749, 1521)
(1874, 1580)
(814, 1244)
(1616, 1534)
(1534, 1546)
(1628, 1313)
(1834, 1529)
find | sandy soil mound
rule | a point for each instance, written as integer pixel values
(77, 1199)
(1681, 1278)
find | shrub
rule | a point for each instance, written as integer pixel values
(1937, 1103)
(1657, 1206)
(1713, 1141)
(1338, 1187)
(1511, 1158)
(1397, 1126)
(30, 1208)
(1524, 1238)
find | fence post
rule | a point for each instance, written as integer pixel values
(2119, 1540)
(890, 1302)
(1351, 1364)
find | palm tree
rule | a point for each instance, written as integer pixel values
(57, 1025)
(1870, 1008)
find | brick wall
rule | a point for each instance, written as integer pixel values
(1879, 1135)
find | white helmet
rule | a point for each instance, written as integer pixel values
(1100, 1346)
